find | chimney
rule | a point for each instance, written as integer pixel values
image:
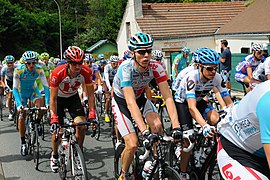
(137, 8)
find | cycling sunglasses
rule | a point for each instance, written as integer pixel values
(29, 63)
(142, 52)
(9, 62)
(211, 68)
(75, 63)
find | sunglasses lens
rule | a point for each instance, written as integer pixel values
(142, 52)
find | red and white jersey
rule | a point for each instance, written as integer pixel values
(69, 86)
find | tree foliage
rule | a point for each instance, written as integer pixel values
(34, 24)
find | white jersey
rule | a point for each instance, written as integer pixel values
(262, 69)
(180, 76)
(191, 86)
(248, 126)
(109, 74)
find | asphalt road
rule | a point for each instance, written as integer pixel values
(98, 156)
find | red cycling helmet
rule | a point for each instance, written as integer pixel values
(74, 54)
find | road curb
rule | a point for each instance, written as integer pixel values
(2, 177)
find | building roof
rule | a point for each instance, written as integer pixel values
(97, 45)
(254, 20)
(174, 20)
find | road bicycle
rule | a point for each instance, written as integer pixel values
(203, 162)
(31, 133)
(70, 154)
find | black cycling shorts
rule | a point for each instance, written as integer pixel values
(184, 116)
(10, 84)
(73, 104)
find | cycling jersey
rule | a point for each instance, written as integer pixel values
(181, 62)
(109, 74)
(247, 62)
(247, 125)
(95, 68)
(25, 87)
(7, 72)
(180, 76)
(67, 86)
(262, 69)
(191, 86)
(128, 76)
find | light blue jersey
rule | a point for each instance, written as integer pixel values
(25, 87)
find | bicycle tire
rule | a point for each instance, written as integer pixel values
(166, 125)
(81, 166)
(36, 147)
(113, 133)
(173, 161)
(97, 135)
(117, 160)
(168, 173)
(213, 172)
(62, 162)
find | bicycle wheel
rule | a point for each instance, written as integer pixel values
(117, 160)
(173, 160)
(36, 146)
(62, 162)
(168, 173)
(78, 167)
(113, 133)
(97, 129)
(213, 171)
(165, 120)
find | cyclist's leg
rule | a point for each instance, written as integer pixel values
(21, 127)
(126, 129)
(107, 102)
(9, 100)
(232, 169)
(185, 120)
(36, 98)
(77, 113)
(152, 117)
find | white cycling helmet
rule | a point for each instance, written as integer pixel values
(157, 55)
(257, 47)
(114, 59)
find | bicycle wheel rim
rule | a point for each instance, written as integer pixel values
(97, 131)
(36, 147)
(78, 163)
(62, 162)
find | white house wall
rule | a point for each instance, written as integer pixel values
(129, 16)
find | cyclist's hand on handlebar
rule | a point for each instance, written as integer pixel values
(177, 134)
(6, 90)
(208, 131)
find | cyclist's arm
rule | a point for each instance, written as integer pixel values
(45, 86)
(53, 100)
(133, 107)
(167, 95)
(99, 78)
(16, 85)
(106, 77)
(90, 95)
(195, 113)
(267, 152)
(3, 82)
(219, 98)
(249, 72)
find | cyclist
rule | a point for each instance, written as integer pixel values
(25, 88)
(7, 80)
(244, 147)
(129, 83)
(65, 81)
(245, 68)
(109, 73)
(44, 57)
(56, 61)
(127, 55)
(260, 74)
(190, 103)
(180, 62)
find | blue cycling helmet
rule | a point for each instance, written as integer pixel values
(103, 62)
(9, 58)
(186, 50)
(29, 56)
(140, 41)
(101, 56)
(208, 56)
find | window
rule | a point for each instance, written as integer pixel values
(128, 31)
(245, 50)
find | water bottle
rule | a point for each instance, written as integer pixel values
(178, 150)
(203, 156)
(197, 155)
(147, 168)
